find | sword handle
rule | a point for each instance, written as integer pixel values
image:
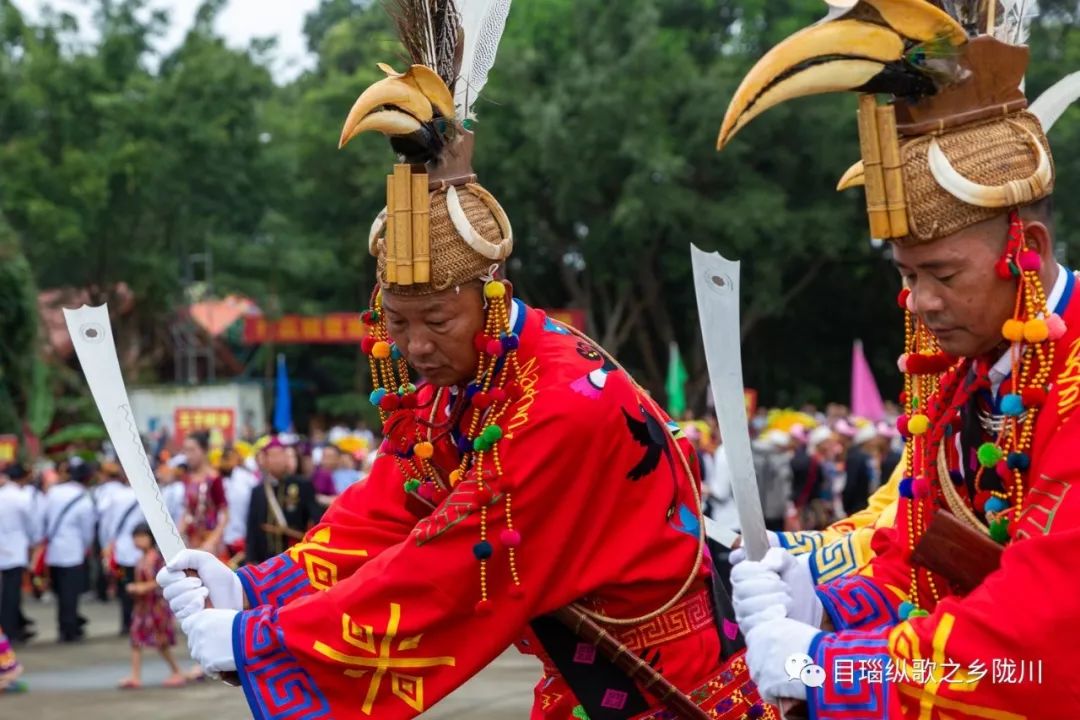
(229, 677)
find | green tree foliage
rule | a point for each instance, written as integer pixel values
(596, 133)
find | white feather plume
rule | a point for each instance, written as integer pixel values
(482, 25)
(1053, 103)
(1013, 24)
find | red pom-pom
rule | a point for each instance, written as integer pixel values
(480, 341)
(498, 395)
(367, 343)
(514, 391)
(481, 400)
(1033, 397)
(409, 401)
(921, 487)
(1001, 269)
(483, 608)
(510, 538)
(494, 348)
(902, 425)
(901, 299)
(904, 397)
(1029, 260)
(390, 403)
(516, 592)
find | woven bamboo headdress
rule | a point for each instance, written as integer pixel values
(440, 228)
(955, 143)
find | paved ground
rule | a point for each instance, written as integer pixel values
(77, 682)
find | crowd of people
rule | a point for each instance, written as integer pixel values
(74, 527)
(813, 467)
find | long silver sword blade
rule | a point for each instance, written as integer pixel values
(716, 283)
(92, 336)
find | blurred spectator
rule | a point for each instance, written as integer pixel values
(862, 467)
(18, 531)
(69, 522)
(206, 511)
(772, 453)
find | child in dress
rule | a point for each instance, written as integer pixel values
(152, 624)
(10, 669)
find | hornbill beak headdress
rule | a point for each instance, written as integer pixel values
(440, 228)
(954, 143)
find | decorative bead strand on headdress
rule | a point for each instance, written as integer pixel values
(484, 406)
(936, 389)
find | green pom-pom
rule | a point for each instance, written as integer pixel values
(989, 455)
(481, 445)
(412, 485)
(492, 433)
(918, 613)
(579, 713)
(999, 531)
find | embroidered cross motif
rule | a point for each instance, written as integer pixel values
(408, 688)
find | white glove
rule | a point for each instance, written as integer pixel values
(803, 603)
(737, 555)
(187, 594)
(776, 654)
(210, 639)
(755, 589)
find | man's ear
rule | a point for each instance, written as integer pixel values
(1039, 240)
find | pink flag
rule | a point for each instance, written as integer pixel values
(865, 398)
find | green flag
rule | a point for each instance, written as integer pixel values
(676, 383)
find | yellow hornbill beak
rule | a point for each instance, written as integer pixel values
(853, 177)
(400, 104)
(851, 51)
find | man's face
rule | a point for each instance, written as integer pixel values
(435, 332)
(275, 460)
(194, 453)
(956, 291)
(331, 458)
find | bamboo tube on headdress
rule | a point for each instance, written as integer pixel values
(403, 223)
(391, 243)
(892, 170)
(421, 228)
(869, 142)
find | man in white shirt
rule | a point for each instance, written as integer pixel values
(104, 495)
(117, 522)
(17, 533)
(239, 482)
(69, 523)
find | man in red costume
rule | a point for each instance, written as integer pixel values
(958, 176)
(527, 473)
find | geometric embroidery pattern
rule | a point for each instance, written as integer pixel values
(800, 543)
(729, 695)
(836, 559)
(856, 695)
(691, 615)
(275, 685)
(275, 582)
(856, 602)
(378, 660)
(321, 572)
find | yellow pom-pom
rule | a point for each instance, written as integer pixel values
(1035, 331)
(1013, 330)
(455, 478)
(494, 290)
(381, 350)
(424, 450)
(918, 424)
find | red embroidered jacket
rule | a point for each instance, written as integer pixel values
(373, 614)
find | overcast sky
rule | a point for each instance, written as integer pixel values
(241, 21)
